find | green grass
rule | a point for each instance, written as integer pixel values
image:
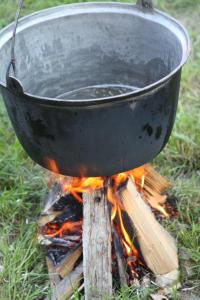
(24, 272)
(22, 185)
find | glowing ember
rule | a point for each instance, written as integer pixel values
(52, 230)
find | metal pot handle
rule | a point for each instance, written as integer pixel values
(12, 82)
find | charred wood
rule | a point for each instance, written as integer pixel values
(120, 259)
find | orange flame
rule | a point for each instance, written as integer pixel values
(89, 184)
(78, 185)
(69, 226)
(128, 243)
(51, 165)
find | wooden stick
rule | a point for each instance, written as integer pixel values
(97, 246)
(68, 285)
(45, 219)
(54, 276)
(52, 197)
(157, 246)
(67, 264)
(154, 180)
(120, 259)
(149, 192)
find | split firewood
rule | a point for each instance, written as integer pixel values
(75, 238)
(62, 242)
(156, 200)
(43, 241)
(153, 185)
(150, 193)
(97, 260)
(47, 218)
(154, 180)
(46, 240)
(53, 275)
(168, 280)
(120, 259)
(68, 263)
(158, 297)
(157, 245)
(52, 197)
(68, 285)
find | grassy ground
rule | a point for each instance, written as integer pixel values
(22, 270)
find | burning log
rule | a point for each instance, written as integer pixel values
(48, 241)
(154, 180)
(60, 231)
(153, 187)
(74, 202)
(97, 259)
(120, 259)
(157, 246)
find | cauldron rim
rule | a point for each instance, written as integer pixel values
(186, 47)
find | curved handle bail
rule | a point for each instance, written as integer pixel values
(12, 82)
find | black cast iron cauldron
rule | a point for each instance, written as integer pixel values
(96, 85)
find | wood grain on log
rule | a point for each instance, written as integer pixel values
(157, 245)
(53, 276)
(154, 180)
(68, 285)
(97, 258)
(68, 263)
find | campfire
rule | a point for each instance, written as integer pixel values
(103, 233)
(74, 82)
